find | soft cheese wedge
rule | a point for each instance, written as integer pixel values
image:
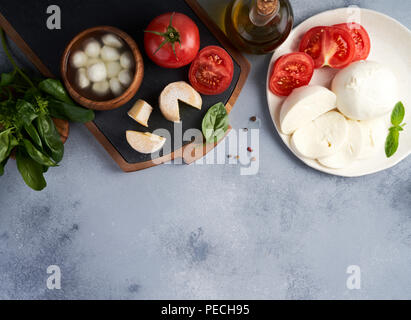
(304, 105)
(350, 151)
(141, 112)
(174, 92)
(374, 135)
(322, 137)
(145, 142)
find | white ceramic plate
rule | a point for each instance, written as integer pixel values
(391, 45)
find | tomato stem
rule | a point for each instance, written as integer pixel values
(171, 36)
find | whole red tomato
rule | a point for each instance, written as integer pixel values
(172, 40)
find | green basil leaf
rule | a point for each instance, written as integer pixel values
(30, 170)
(398, 114)
(7, 78)
(50, 136)
(55, 89)
(215, 123)
(392, 142)
(4, 144)
(26, 112)
(65, 111)
(34, 135)
(37, 155)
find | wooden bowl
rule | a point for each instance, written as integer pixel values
(118, 101)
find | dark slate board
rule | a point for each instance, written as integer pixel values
(132, 16)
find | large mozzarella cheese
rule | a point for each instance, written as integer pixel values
(350, 151)
(322, 137)
(365, 90)
(374, 135)
(304, 105)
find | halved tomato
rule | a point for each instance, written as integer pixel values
(291, 71)
(212, 71)
(361, 39)
(328, 46)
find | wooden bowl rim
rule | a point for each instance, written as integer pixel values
(131, 90)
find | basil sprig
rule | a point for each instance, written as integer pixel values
(215, 123)
(26, 126)
(393, 138)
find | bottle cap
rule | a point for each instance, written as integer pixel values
(267, 7)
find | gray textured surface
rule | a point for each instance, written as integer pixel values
(205, 231)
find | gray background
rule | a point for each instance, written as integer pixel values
(205, 231)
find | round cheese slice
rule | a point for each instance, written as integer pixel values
(304, 105)
(322, 137)
(350, 151)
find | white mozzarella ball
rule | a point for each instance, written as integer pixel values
(97, 72)
(92, 61)
(110, 54)
(116, 87)
(126, 60)
(112, 40)
(78, 59)
(366, 90)
(113, 69)
(82, 80)
(92, 48)
(125, 77)
(101, 88)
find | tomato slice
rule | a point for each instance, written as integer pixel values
(212, 71)
(329, 46)
(361, 39)
(313, 45)
(291, 71)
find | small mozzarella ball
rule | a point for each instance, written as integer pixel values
(113, 69)
(125, 77)
(92, 61)
(112, 40)
(110, 54)
(97, 72)
(116, 87)
(81, 78)
(92, 48)
(126, 60)
(79, 59)
(101, 88)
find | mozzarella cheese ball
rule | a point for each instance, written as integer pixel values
(116, 87)
(110, 54)
(113, 69)
(97, 72)
(365, 90)
(101, 88)
(112, 40)
(81, 78)
(78, 59)
(92, 48)
(125, 77)
(126, 60)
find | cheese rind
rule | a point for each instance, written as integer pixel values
(145, 142)
(175, 92)
(141, 112)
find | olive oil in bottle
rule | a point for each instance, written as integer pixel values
(258, 26)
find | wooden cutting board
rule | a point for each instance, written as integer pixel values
(25, 23)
